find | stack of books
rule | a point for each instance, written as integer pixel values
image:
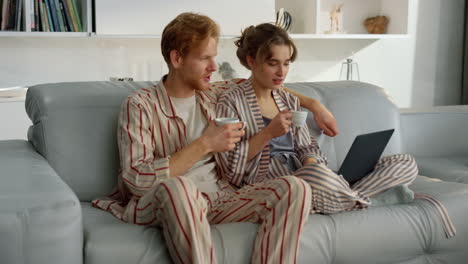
(11, 18)
(46, 15)
(55, 16)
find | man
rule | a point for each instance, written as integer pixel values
(166, 139)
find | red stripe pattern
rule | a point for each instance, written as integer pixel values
(149, 131)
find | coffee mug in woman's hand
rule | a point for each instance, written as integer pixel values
(298, 118)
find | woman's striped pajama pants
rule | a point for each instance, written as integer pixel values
(331, 193)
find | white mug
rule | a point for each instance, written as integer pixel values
(220, 121)
(298, 118)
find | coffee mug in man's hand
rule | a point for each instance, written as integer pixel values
(221, 121)
(298, 118)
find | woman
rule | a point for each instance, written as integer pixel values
(272, 148)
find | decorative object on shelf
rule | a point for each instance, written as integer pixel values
(226, 71)
(335, 15)
(283, 19)
(376, 25)
(349, 70)
(121, 79)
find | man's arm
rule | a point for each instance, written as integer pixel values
(324, 118)
(141, 170)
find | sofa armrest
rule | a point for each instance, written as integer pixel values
(40, 216)
(436, 131)
(436, 137)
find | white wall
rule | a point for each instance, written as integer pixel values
(438, 55)
(421, 70)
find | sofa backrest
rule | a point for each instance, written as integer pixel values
(75, 125)
(75, 129)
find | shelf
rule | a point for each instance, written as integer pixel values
(94, 35)
(349, 36)
(311, 18)
(294, 36)
(42, 34)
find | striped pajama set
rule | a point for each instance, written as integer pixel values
(330, 192)
(149, 131)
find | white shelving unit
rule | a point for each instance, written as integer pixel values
(310, 18)
(84, 7)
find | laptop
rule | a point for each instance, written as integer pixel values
(364, 154)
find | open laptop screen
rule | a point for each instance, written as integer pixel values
(364, 154)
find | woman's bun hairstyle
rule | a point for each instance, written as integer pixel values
(256, 42)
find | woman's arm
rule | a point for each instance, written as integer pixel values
(324, 118)
(232, 163)
(306, 146)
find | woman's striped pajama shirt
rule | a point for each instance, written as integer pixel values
(330, 192)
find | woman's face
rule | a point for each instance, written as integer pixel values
(271, 73)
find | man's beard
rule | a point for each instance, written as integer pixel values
(198, 85)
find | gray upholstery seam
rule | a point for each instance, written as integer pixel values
(218, 233)
(147, 249)
(333, 241)
(432, 113)
(24, 230)
(42, 128)
(66, 203)
(425, 207)
(86, 107)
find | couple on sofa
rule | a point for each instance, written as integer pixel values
(181, 172)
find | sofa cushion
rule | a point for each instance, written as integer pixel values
(40, 216)
(452, 168)
(108, 240)
(404, 233)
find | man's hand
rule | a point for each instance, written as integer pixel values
(222, 138)
(280, 124)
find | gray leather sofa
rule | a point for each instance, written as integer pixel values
(71, 157)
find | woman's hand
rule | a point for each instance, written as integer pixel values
(280, 124)
(325, 120)
(309, 160)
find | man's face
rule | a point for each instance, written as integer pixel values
(198, 65)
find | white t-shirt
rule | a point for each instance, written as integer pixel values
(203, 173)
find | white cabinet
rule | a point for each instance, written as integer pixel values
(143, 17)
(311, 17)
(233, 16)
(149, 17)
